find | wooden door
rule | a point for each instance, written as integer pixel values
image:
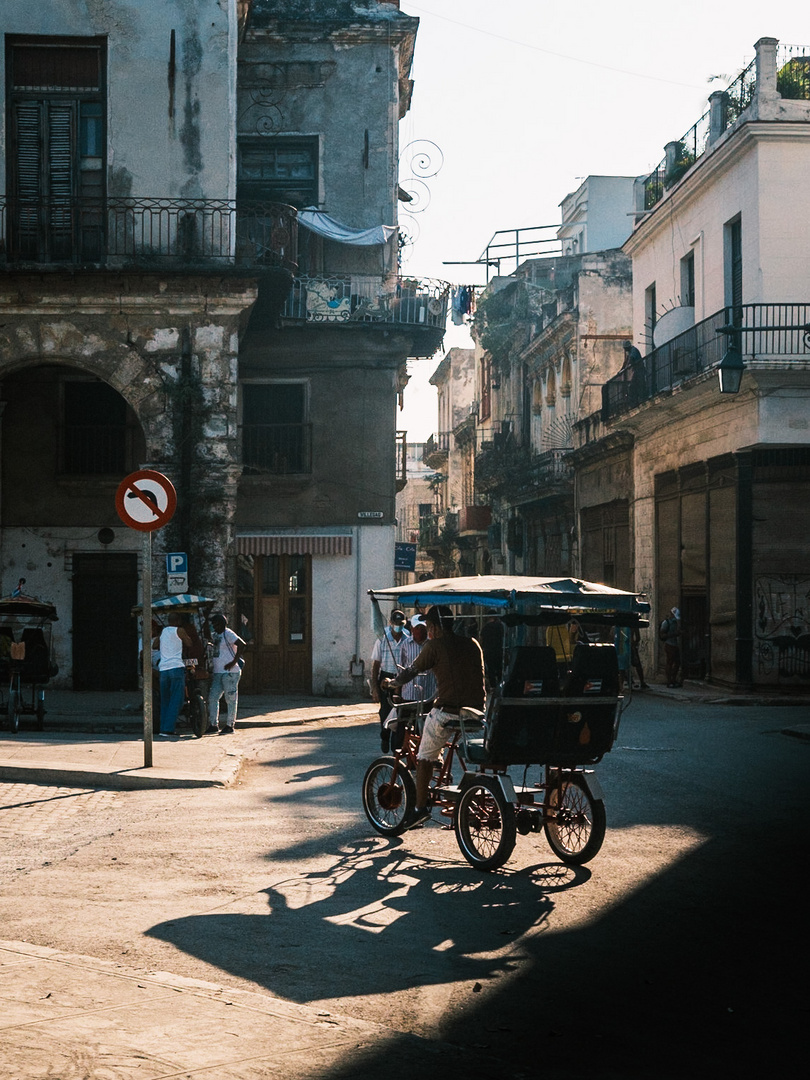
(105, 635)
(274, 603)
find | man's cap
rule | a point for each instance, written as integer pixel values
(676, 613)
(417, 620)
(397, 617)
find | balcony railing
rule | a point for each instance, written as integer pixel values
(277, 449)
(367, 299)
(792, 83)
(766, 333)
(128, 232)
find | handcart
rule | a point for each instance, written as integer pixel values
(196, 611)
(26, 663)
(556, 711)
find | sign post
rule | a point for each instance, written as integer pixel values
(146, 501)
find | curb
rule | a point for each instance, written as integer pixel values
(59, 774)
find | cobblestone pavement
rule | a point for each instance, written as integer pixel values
(35, 809)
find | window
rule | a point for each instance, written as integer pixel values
(733, 267)
(650, 316)
(278, 170)
(98, 430)
(485, 376)
(56, 123)
(688, 280)
(276, 437)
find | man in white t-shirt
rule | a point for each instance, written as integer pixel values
(226, 671)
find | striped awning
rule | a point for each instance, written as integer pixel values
(339, 544)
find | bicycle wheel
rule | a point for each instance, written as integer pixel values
(485, 825)
(388, 800)
(14, 709)
(197, 713)
(574, 822)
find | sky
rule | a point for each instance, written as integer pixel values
(518, 101)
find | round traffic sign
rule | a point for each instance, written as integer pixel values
(146, 500)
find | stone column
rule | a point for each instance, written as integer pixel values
(766, 69)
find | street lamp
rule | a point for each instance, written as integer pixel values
(731, 367)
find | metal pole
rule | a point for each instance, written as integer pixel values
(146, 637)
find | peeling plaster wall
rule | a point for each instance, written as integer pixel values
(168, 135)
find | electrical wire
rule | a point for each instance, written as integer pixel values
(551, 52)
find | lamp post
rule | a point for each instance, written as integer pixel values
(731, 367)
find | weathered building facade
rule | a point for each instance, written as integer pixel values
(166, 304)
(718, 484)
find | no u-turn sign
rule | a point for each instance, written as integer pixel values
(146, 500)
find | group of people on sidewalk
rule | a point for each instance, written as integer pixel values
(178, 642)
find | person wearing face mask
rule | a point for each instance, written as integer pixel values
(386, 661)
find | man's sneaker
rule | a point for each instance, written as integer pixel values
(212, 730)
(226, 730)
(420, 818)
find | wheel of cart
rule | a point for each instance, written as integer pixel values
(389, 788)
(555, 713)
(26, 662)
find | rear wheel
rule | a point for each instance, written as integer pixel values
(198, 713)
(485, 824)
(575, 822)
(389, 796)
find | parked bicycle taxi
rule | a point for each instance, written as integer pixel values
(26, 661)
(524, 764)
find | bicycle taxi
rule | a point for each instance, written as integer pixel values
(523, 765)
(26, 663)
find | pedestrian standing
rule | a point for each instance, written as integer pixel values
(226, 671)
(171, 641)
(671, 633)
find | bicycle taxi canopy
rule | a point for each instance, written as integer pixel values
(532, 601)
(182, 603)
(548, 708)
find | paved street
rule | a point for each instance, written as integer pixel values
(257, 927)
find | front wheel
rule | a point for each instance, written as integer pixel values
(485, 824)
(389, 796)
(575, 822)
(198, 713)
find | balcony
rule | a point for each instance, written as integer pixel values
(768, 334)
(786, 72)
(128, 233)
(368, 299)
(436, 449)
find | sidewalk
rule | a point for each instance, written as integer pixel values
(74, 1016)
(96, 740)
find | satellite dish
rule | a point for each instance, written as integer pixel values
(672, 323)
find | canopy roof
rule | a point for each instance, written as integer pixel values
(27, 606)
(179, 601)
(549, 600)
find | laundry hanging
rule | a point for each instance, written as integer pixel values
(323, 225)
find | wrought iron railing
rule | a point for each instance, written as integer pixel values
(277, 449)
(437, 443)
(362, 298)
(793, 72)
(124, 232)
(766, 333)
(688, 149)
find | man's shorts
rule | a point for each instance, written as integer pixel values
(434, 735)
